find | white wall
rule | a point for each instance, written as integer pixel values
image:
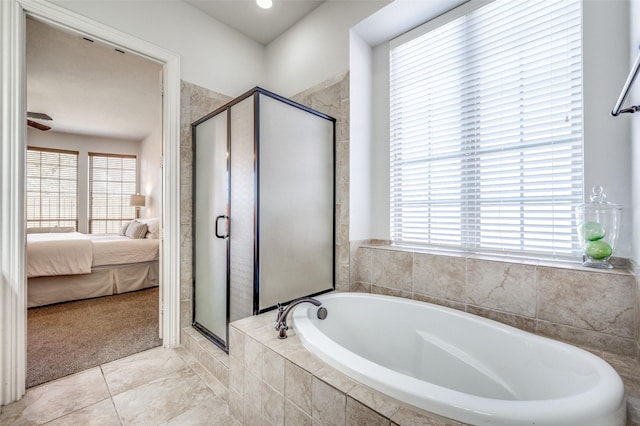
(150, 183)
(360, 171)
(84, 145)
(606, 141)
(380, 214)
(212, 54)
(316, 48)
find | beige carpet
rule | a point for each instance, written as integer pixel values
(66, 338)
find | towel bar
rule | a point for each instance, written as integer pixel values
(625, 91)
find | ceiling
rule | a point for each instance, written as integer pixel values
(90, 88)
(262, 25)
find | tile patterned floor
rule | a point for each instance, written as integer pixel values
(155, 387)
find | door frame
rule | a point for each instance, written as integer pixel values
(13, 291)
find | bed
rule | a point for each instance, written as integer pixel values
(66, 266)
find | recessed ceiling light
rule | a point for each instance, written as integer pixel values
(265, 4)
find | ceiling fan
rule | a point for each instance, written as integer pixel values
(38, 116)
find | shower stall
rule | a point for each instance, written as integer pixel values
(263, 208)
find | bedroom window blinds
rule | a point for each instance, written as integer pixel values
(52, 188)
(112, 180)
(486, 129)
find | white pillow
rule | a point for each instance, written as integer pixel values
(123, 229)
(136, 230)
(153, 226)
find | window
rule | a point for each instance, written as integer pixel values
(486, 129)
(52, 188)
(112, 180)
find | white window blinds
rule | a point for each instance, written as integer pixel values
(52, 188)
(112, 181)
(486, 129)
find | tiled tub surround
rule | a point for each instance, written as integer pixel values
(279, 382)
(591, 308)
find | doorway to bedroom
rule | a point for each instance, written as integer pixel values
(93, 202)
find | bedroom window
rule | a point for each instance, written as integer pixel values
(112, 180)
(486, 129)
(52, 188)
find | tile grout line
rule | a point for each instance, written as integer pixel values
(113, 403)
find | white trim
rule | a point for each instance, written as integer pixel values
(13, 134)
(13, 305)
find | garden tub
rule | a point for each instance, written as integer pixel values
(461, 366)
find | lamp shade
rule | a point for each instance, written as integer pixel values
(137, 200)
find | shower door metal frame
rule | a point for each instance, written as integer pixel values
(222, 343)
(259, 91)
(255, 92)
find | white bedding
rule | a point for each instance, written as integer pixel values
(72, 253)
(111, 249)
(67, 253)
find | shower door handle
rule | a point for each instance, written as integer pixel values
(222, 216)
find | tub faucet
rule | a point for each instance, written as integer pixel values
(281, 320)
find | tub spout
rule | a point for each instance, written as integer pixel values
(283, 311)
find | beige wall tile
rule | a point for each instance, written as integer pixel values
(294, 416)
(328, 404)
(236, 375)
(273, 370)
(222, 374)
(601, 302)
(236, 343)
(375, 400)
(438, 301)
(590, 339)
(392, 269)
(333, 377)
(342, 278)
(360, 287)
(297, 386)
(272, 405)
(503, 286)
(358, 414)
(439, 276)
(305, 359)
(409, 417)
(236, 405)
(253, 356)
(390, 292)
(361, 266)
(186, 313)
(523, 323)
(252, 415)
(252, 389)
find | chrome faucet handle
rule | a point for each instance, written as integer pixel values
(282, 331)
(279, 316)
(281, 322)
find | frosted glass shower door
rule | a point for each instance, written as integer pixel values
(296, 203)
(242, 208)
(210, 215)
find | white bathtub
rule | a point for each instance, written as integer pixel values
(459, 365)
